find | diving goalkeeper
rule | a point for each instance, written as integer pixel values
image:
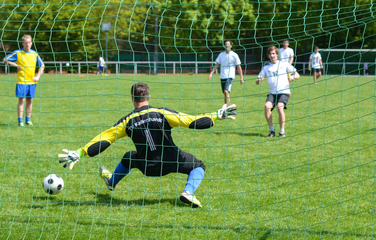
(157, 155)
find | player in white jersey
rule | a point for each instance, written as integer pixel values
(101, 65)
(316, 61)
(229, 61)
(286, 54)
(278, 81)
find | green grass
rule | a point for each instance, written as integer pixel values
(318, 182)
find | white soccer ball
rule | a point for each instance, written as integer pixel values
(53, 184)
(67, 64)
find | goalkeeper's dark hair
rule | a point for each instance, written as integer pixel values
(140, 92)
(271, 49)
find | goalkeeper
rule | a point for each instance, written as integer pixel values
(157, 155)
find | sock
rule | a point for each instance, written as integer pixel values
(28, 119)
(19, 120)
(119, 173)
(271, 129)
(282, 130)
(194, 179)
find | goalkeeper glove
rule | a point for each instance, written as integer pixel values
(70, 158)
(225, 112)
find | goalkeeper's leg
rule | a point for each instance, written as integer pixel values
(121, 170)
(194, 179)
(195, 169)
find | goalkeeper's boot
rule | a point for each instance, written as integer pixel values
(282, 135)
(21, 124)
(190, 199)
(271, 134)
(29, 124)
(106, 175)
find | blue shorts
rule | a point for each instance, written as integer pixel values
(25, 90)
(227, 84)
(100, 67)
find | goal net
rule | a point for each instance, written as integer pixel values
(317, 182)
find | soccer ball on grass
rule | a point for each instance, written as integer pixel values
(53, 184)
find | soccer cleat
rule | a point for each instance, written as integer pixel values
(106, 175)
(29, 124)
(21, 124)
(315, 82)
(271, 134)
(282, 135)
(190, 199)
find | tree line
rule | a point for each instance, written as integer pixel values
(182, 29)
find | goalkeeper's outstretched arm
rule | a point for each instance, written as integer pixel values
(94, 147)
(103, 140)
(106, 138)
(202, 121)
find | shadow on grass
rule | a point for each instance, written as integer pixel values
(266, 235)
(245, 134)
(106, 199)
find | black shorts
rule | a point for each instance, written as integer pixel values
(317, 70)
(184, 163)
(273, 98)
(226, 84)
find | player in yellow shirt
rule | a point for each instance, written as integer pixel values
(25, 60)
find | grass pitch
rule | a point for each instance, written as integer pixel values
(318, 182)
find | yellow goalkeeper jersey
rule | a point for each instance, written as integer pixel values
(150, 130)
